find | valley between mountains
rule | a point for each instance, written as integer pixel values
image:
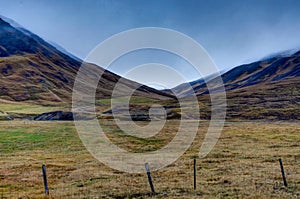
(35, 74)
(36, 128)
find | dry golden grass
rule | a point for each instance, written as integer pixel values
(243, 164)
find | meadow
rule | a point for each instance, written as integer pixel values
(243, 164)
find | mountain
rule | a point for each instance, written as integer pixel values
(33, 70)
(268, 89)
(280, 54)
(269, 71)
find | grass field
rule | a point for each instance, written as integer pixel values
(243, 164)
(22, 110)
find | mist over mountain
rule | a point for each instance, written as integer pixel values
(61, 49)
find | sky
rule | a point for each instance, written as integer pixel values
(233, 32)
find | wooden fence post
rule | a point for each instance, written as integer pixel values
(45, 180)
(282, 173)
(149, 177)
(195, 175)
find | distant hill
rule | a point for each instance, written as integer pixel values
(267, 89)
(33, 70)
(272, 70)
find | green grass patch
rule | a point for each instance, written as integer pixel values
(133, 100)
(28, 108)
(34, 137)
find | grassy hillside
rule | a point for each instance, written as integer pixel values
(33, 71)
(274, 70)
(269, 101)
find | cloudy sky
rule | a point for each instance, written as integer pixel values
(233, 32)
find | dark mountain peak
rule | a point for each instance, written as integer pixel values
(10, 21)
(14, 42)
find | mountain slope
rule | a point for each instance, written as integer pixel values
(33, 70)
(272, 70)
(267, 89)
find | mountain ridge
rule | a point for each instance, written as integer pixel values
(32, 70)
(270, 70)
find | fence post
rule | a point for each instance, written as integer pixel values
(282, 173)
(45, 180)
(195, 175)
(149, 177)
